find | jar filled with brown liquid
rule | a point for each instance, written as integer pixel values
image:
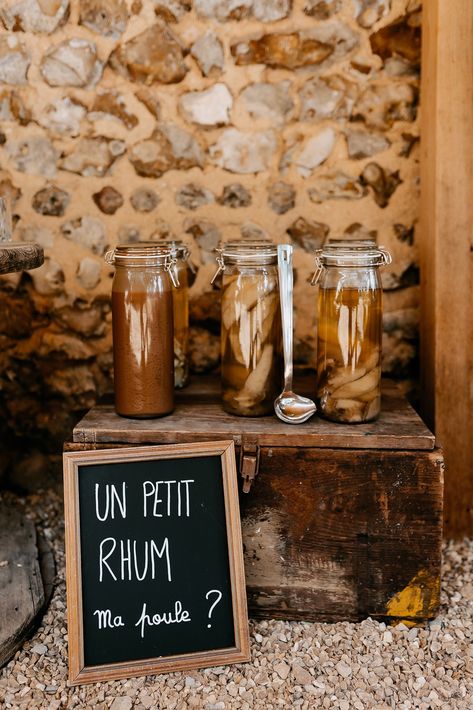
(184, 273)
(142, 313)
(349, 330)
(251, 346)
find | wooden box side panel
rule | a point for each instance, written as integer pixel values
(331, 534)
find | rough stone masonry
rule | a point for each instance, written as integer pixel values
(123, 119)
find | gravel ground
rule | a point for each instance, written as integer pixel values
(343, 666)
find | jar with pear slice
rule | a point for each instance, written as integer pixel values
(251, 346)
(349, 330)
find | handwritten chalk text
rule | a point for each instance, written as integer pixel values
(178, 616)
(173, 499)
(121, 560)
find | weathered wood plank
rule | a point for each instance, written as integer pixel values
(22, 596)
(198, 415)
(330, 534)
(19, 256)
(446, 228)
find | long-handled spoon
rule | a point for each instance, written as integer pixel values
(289, 407)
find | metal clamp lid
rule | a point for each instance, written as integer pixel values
(387, 256)
(319, 267)
(349, 253)
(220, 270)
(245, 252)
(141, 254)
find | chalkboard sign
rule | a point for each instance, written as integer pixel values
(154, 560)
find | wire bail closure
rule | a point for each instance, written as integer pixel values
(387, 256)
(220, 270)
(110, 257)
(319, 267)
(169, 265)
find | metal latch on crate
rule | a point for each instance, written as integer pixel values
(249, 464)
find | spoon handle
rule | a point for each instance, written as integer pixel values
(285, 296)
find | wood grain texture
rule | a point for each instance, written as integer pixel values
(332, 535)
(445, 247)
(20, 257)
(199, 416)
(22, 596)
(78, 672)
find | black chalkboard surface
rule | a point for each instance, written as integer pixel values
(154, 560)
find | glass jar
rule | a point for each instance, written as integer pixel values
(184, 273)
(349, 331)
(250, 327)
(142, 320)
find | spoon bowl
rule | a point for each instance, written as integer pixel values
(293, 408)
(289, 407)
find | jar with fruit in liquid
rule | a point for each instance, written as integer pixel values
(251, 343)
(349, 330)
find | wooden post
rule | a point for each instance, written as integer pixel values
(446, 239)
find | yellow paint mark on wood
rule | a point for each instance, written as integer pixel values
(418, 600)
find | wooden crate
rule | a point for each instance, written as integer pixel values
(341, 522)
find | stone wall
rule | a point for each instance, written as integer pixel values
(207, 119)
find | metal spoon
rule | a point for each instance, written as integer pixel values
(289, 407)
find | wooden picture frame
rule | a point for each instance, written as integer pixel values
(79, 672)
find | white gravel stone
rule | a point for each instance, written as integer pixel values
(316, 150)
(362, 144)
(367, 12)
(272, 102)
(301, 675)
(282, 669)
(35, 155)
(271, 10)
(467, 592)
(344, 669)
(207, 108)
(39, 648)
(14, 60)
(263, 10)
(88, 273)
(63, 117)
(33, 15)
(124, 703)
(244, 152)
(207, 50)
(72, 63)
(87, 231)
